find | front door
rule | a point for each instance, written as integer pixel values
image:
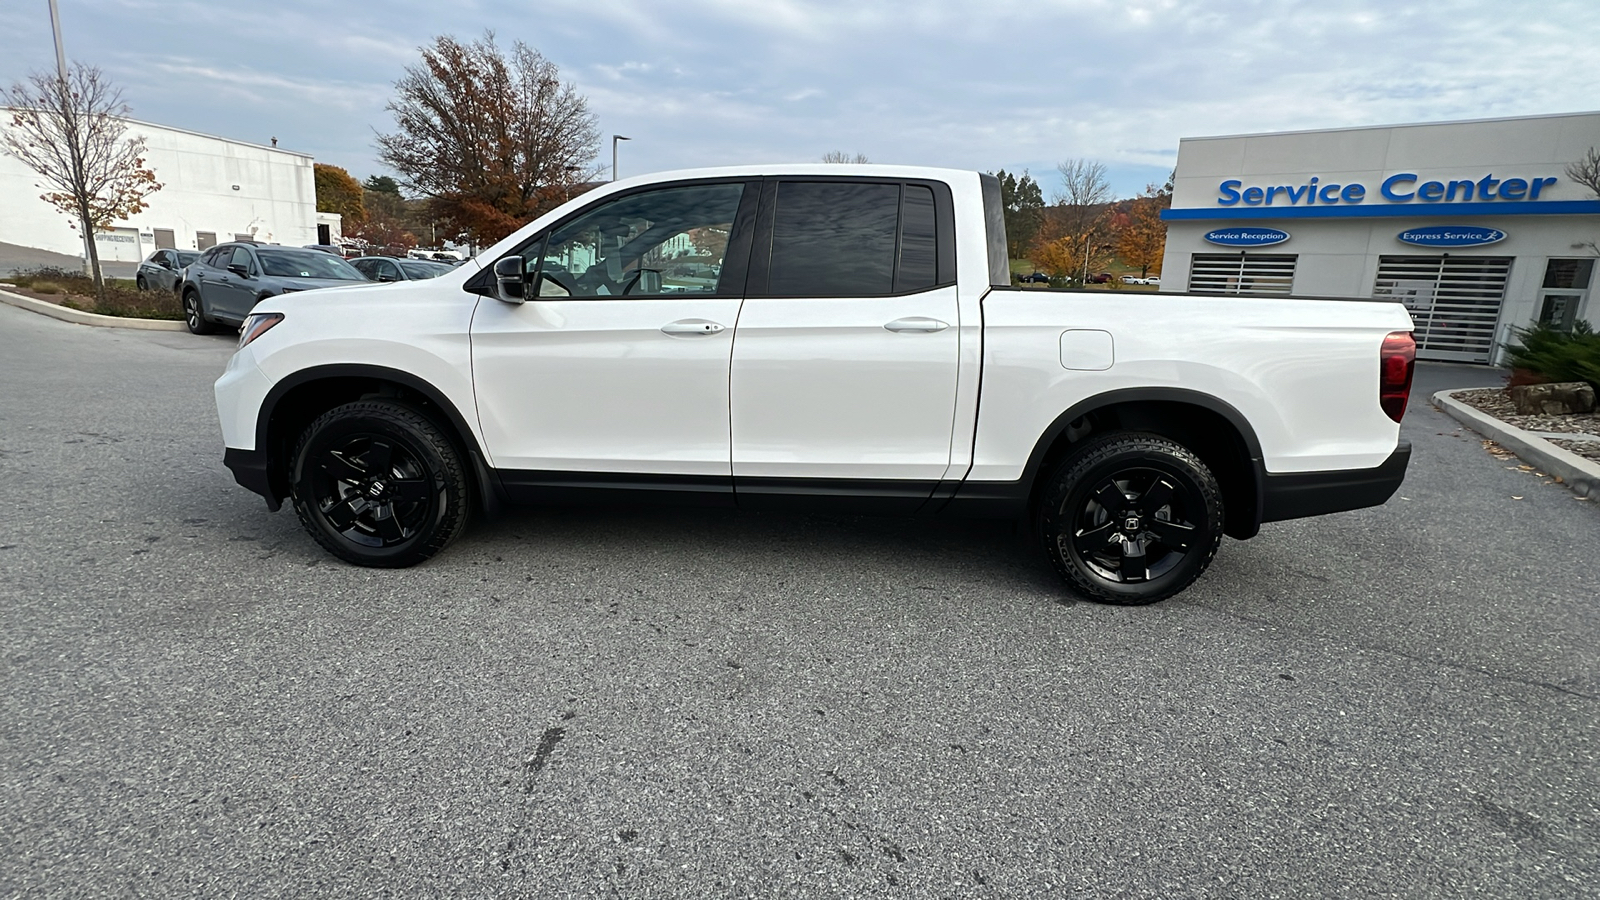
(614, 372)
(845, 360)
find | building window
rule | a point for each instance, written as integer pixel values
(1251, 275)
(1454, 300)
(1565, 292)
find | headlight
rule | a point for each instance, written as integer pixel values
(255, 325)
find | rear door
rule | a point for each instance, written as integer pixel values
(845, 358)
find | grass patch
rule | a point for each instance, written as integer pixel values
(123, 297)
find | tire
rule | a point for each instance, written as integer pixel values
(141, 284)
(194, 315)
(1131, 518)
(378, 484)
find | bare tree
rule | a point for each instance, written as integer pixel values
(491, 139)
(839, 156)
(1586, 171)
(1079, 216)
(70, 131)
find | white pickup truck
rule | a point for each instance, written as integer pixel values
(821, 337)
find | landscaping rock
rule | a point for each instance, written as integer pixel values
(1564, 399)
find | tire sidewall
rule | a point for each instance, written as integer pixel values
(1071, 485)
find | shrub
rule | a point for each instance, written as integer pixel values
(44, 287)
(1558, 355)
(123, 298)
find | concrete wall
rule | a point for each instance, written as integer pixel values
(210, 184)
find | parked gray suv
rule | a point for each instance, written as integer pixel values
(228, 280)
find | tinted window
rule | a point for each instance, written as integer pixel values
(241, 257)
(669, 241)
(285, 263)
(918, 253)
(834, 239)
(366, 267)
(215, 256)
(421, 270)
(186, 257)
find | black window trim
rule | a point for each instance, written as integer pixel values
(758, 282)
(735, 260)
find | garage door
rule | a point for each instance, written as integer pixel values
(1454, 300)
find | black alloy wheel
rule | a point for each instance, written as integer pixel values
(378, 484)
(194, 317)
(1131, 518)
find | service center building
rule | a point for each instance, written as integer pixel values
(1475, 226)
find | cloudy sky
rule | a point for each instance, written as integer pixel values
(1000, 84)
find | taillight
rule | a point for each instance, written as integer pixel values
(1396, 361)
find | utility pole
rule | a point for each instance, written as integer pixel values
(614, 139)
(61, 85)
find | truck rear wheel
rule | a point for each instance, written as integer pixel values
(1131, 519)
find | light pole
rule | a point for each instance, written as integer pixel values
(614, 139)
(61, 74)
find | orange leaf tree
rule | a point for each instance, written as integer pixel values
(491, 139)
(70, 131)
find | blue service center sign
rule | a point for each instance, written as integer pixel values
(1247, 237)
(1451, 236)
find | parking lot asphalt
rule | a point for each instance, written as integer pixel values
(1395, 702)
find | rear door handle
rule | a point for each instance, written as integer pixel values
(917, 323)
(691, 327)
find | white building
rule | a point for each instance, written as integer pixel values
(213, 190)
(1475, 225)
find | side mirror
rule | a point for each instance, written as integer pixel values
(509, 279)
(384, 276)
(239, 270)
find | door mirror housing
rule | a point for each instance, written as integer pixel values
(510, 282)
(239, 270)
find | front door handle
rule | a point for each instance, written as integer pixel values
(691, 327)
(917, 323)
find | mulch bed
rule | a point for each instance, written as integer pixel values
(1497, 403)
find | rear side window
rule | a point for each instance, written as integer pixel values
(856, 239)
(834, 239)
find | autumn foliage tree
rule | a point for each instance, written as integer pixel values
(492, 139)
(1023, 204)
(1142, 237)
(72, 132)
(338, 193)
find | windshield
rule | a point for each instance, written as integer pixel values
(417, 270)
(186, 257)
(306, 264)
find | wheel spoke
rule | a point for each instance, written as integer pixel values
(379, 456)
(342, 514)
(1110, 497)
(1133, 563)
(341, 467)
(1158, 495)
(1092, 540)
(1172, 534)
(409, 490)
(388, 526)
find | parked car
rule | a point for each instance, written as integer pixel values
(384, 268)
(834, 364)
(228, 280)
(1098, 278)
(162, 270)
(1035, 278)
(1153, 279)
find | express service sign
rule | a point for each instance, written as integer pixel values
(1451, 236)
(1246, 237)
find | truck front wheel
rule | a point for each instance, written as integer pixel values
(378, 484)
(1131, 519)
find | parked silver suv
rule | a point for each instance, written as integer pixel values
(227, 281)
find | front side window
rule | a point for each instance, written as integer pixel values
(663, 242)
(241, 257)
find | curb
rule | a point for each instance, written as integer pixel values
(78, 317)
(1579, 474)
